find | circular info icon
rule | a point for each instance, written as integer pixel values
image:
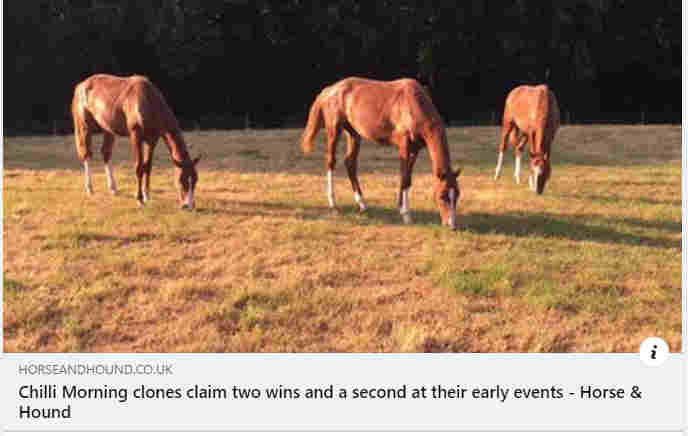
(654, 351)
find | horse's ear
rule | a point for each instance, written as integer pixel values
(457, 172)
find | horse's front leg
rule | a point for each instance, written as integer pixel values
(136, 144)
(351, 161)
(518, 149)
(147, 167)
(406, 166)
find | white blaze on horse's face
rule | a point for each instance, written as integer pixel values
(453, 199)
(186, 179)
(193, 178)
(447, 195)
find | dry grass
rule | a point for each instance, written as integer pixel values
(593, 265)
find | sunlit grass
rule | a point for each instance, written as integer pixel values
(262, 264)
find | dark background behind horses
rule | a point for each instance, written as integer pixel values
(236, 64)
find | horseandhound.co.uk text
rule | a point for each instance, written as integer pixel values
(95, 369)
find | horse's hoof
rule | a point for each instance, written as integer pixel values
(113, 192)
(407, 219)
(89, 190)
(140, 203)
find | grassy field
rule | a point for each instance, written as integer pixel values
(262, 265)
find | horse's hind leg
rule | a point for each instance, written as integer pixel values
(86, 144)
(332, 138)
(507, 128)
(351, 161)
(106, 150)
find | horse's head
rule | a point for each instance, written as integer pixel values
(186, 178)
(447, 194)
(541, 171)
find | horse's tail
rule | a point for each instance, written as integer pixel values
(80, 126)
(314, 124)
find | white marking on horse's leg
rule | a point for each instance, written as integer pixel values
(146, 195)
(110, 179)
(517, 170)
(500, 160)
(404, 210)
(189, 199)
(330, 189)
(530, 183)
(359, 200)
(87, 178)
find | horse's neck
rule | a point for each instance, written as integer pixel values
(439, 152)
(177, 146)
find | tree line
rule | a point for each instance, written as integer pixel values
(236, 63)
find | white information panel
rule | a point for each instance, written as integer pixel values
(305, 392)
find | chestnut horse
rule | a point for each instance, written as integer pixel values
(133, 107)
(398, 112)
(531, 114)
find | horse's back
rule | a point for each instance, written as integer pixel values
(98, 96)
(119, 104)
(380, 109)
(147, 107)
(532, 108)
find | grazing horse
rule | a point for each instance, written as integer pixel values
(531, 114)
(133, 107)
(398, 112)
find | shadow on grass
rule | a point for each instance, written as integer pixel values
(523, 225)
(566, 227)
(607, 199)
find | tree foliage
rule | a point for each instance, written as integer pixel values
(262, 61)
